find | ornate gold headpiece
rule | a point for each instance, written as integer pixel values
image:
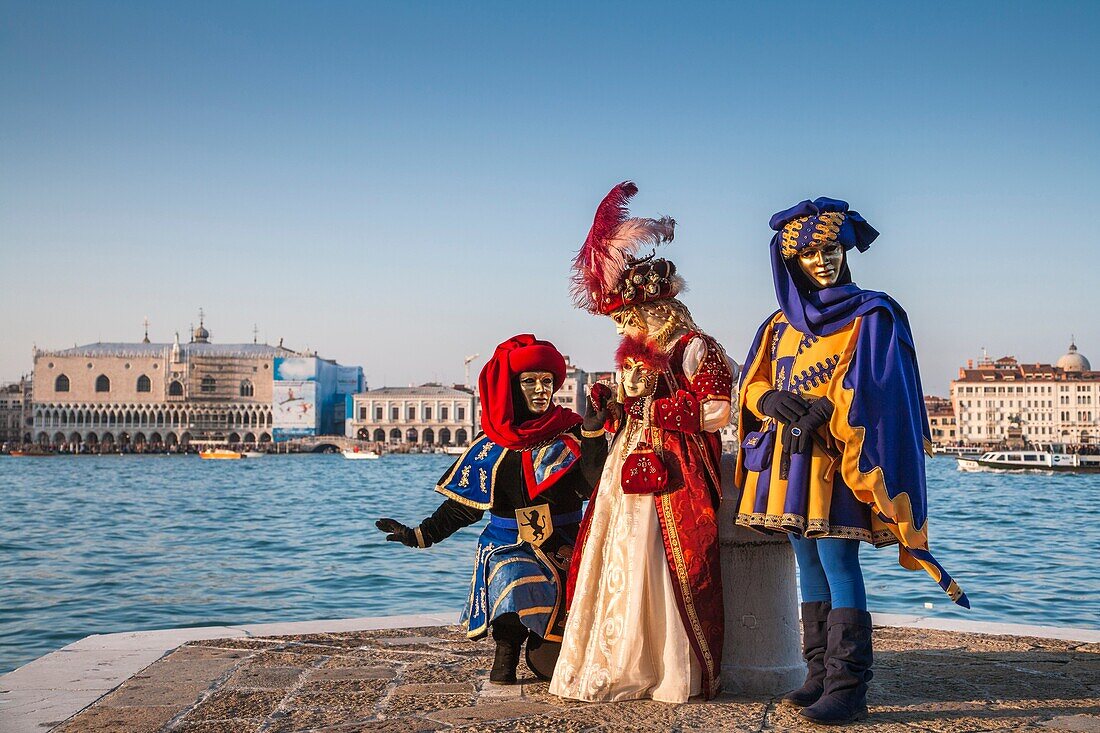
(810, 230)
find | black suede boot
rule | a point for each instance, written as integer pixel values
(814, 617)
(848, 661)
(509, 634)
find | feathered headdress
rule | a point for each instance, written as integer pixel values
(641, 349)
(606, 275)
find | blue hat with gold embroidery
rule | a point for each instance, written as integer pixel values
(818, 222)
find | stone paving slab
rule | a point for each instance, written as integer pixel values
(433, 679)
(41, 694)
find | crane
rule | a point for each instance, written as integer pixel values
(466, 364)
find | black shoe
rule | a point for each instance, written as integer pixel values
(814, 616)
(509, 635)
(848, 659)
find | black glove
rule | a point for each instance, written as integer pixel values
(782, 405)
(397, 532)
(798, 436)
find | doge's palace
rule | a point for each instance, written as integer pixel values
(154, 396)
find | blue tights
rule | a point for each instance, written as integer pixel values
(828, 570)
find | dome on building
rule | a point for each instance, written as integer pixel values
(201, 335)
(1072, 361)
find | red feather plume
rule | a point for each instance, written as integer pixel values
(612, 241)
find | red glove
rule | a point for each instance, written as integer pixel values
(605, 414)
(598, 395)
(679, 412)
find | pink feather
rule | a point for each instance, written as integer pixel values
(611, 243)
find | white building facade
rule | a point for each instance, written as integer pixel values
(942, 425)
(427, 416)
(16, 425)
(1002, 401)
(573, 394)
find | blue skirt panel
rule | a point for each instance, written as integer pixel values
(512, 576)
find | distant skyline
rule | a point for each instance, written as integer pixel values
(402, 185)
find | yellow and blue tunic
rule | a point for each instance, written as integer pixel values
(864, 478)
(802, 494)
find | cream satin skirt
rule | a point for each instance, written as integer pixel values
(624, 638)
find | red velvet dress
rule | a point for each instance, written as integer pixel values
(685, 436)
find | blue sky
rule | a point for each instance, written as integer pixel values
(400, 185)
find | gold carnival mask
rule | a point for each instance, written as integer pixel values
(822, 263)
(649, 319)
(538, 390)
(638, 380)
(629, 322)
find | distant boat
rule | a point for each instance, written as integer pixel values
(1046, 458)
(33, 452)
(454, 450)
(355, 454)
(253, 454)
(956, 450)
(220, 454)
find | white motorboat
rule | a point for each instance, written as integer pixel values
(1045, 458)
(958, 451)
(454, 450)
(357, 454)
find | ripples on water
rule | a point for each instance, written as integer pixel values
(124, 543)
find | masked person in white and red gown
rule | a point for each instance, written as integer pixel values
(646, 618)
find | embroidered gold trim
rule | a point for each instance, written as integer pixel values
(511, 587)
(420, 538)
(813, 529)
(478, 565)
(789, 236)
(592, 433)
(685, 585)
(535, 610)
(828, 225)
(509, 561)
(461, 499)
(826, 229)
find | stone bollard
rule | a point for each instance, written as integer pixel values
(762, 650)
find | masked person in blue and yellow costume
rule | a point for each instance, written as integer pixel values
(531, 468)
(834, 433)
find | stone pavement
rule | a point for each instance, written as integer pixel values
(433, 678)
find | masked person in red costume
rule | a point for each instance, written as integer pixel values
(531, 469)
(646, 612)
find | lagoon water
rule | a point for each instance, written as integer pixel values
(124, 543)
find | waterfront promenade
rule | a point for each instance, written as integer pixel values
(396, 674)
